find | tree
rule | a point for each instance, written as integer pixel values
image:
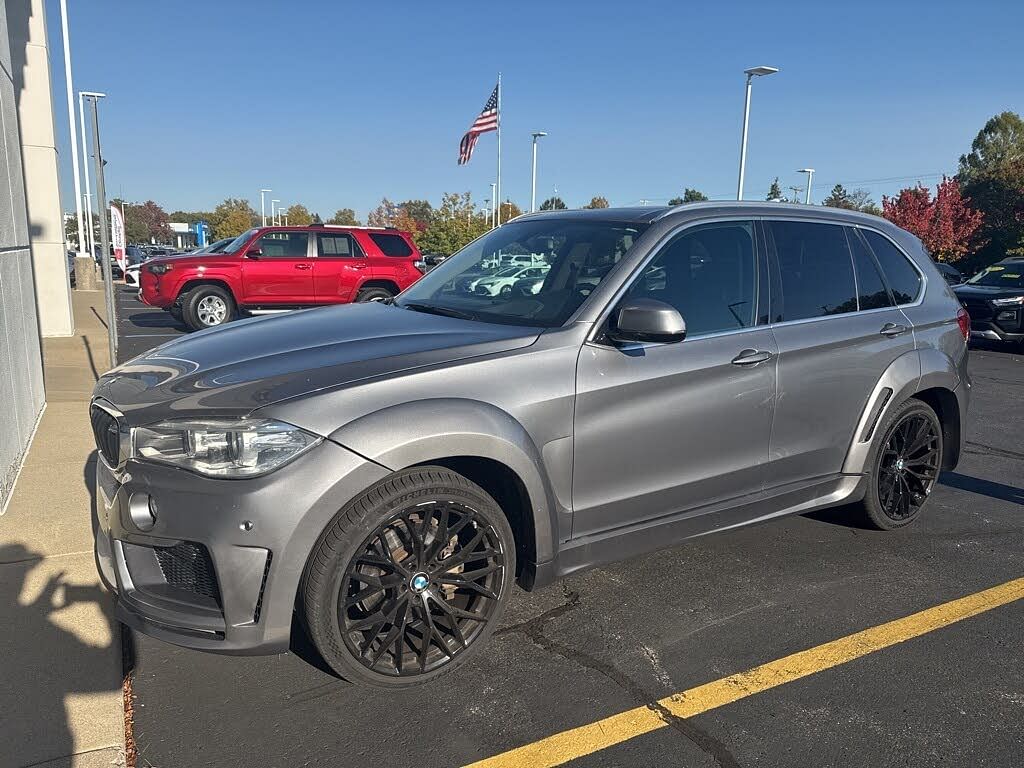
(860, 200)
(991, 177)
(510, 210)
(946, 225)
(190, 217)
(383, 215)
(552, 204)
(233, 217)
(453, 224)
(317, 219)
(775, 191)
(597, 202)
(344, 216)
(838, 198)
(298, 215)
(419, 212)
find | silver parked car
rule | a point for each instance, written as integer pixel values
(388, 472)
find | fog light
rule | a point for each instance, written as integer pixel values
(142, 509)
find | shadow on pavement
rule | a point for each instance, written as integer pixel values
(39, 614)
(989, 488)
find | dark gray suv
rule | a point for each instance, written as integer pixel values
(388, 472)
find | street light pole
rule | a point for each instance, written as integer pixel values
(273, 216)
(71, 123)
(263, 205)
(101, 205)
(91, 237)
(533, 184)
(810, 175)
(751, 74)
(494, 203)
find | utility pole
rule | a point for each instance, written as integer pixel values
(101, 205)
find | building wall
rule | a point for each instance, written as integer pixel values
(39, 160)
(21, 373)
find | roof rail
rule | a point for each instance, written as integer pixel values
(353, 226)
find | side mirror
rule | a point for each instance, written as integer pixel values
(648, 320)
(253, 253)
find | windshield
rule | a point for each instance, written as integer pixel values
(1002, 275)
(239, 241)
(571, 258)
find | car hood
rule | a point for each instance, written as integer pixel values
(254, 363)
(986, 291)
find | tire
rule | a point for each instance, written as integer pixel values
(506, 290)
(367, 558)
(175, 311)
(373, 294)
(901, 480)
(207, 306)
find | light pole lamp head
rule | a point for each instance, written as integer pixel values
(760, 71)
(92, 94)
(537, 134)
(805, 170)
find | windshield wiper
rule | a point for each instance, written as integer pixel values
(432, 309)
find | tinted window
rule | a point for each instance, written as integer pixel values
(707, 273)
(815, 270)
(902, 277)
(1005, 274)
(871, 290)
(283, 245)
(573, 258)
(391, 245)
(339, 244)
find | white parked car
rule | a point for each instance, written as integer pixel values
(501, 282)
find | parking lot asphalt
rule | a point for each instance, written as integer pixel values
(625, 636)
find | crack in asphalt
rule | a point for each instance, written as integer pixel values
(989, 450)
(534, 631)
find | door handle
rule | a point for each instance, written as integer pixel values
(751, 357)
(893, 329)
(303, 266)
(357, 266)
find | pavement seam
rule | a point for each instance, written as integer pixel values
(116, 747)
(46, 557)
(534, 631)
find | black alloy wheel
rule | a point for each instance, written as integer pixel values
(906, 465)
(909, 465)
(422, 588)
(410, 578)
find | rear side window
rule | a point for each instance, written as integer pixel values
(871, 290)
(391, 245)
(337, 244)
(815, 270)
(900, 274)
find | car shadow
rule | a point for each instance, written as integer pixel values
(988, 488)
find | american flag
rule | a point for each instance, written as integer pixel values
(488, 121)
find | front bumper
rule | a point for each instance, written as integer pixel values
(220, 568)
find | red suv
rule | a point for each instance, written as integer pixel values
(274, 268)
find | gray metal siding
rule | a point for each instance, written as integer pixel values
(21, 375)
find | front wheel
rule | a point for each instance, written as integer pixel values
(907, 461)
(373, 294)
(410, 579)
(207, 306)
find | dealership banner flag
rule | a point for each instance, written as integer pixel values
(117, 234)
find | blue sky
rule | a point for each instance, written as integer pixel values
(337, 104)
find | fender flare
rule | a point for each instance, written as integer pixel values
(419, 432)
(233, 283)
(907, 375)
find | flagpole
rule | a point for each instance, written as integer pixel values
(498, 186)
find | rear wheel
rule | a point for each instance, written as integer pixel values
(410, 579)
(207, 306)
(907, 460)
(374, 294)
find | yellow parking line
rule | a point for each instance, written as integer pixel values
(601, 734)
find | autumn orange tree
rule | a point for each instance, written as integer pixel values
(945, 224)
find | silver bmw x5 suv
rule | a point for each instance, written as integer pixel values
(389, 471)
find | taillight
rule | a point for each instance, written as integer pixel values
(964, 321)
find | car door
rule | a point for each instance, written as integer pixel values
(278, 269)
(339, 268)
(667, 428)
(837, 330)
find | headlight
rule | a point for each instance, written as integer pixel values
(222, 447)
(159, 269)
(1012, 301)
